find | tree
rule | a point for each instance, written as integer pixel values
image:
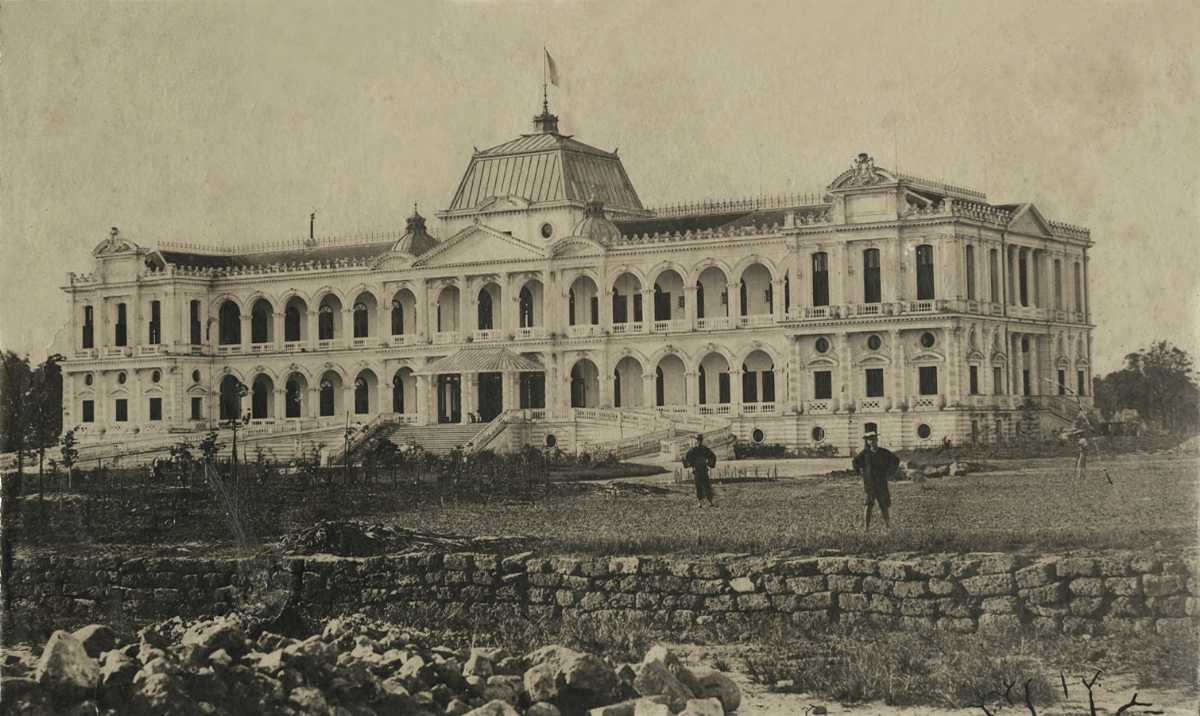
(44, 407)
(1158, 382)
(70, 453)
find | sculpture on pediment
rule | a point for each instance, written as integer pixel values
(114, 244)
(863, 171)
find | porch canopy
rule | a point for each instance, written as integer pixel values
(482, 360)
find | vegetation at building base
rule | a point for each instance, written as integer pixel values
(743, 450)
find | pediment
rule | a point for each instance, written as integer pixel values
(1029, 221)
(480, 244)
(576, 246)
(114, 245)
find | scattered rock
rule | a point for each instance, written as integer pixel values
(96, 639)
(655, 679)
(703, 707)
(65, 669)
(710, 683)
(494, 708)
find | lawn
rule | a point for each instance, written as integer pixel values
(1038, 507)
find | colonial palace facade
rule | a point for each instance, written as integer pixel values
(887, 301)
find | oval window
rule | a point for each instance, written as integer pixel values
(547, 230)
(757, 435)
(874, 342)
(156, 376)
(818, 434)
(121, 377)
(88, 379)
(195, 376)
(822, 345)
(551, 441)
(924, 431)
(927, 339)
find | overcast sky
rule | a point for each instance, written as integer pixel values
(229, 123)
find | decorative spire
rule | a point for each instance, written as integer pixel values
(415, 223)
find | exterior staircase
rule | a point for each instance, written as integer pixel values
(439, 439)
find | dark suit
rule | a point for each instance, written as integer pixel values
(876, 468)
(701, 460)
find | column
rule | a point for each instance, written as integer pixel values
(649, 390)
(1010, 258)
(550, 381)
(382, 330)
(605, 299)
(346, 335)
(245, 328)
(1018, 367)
(689, 306)
(735, 389)
(838, 271)
(692, 391)
(1035, 378)
(648, 316)
(467, 317)
(169, 315)
(955, 367)
(899, 369)
(421, 309)
(848, 370)
(280, 402)
(277, 330)
(422, 406)
(507, 390)
(384, 401)
(467, 382)
(777, 299)
(733, 293)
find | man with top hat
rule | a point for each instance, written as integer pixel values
(876, 466)
(700, 459)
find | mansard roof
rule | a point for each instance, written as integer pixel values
(546, 167)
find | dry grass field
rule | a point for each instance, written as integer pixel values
(1024, 505)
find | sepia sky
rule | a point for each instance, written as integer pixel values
(230, 122)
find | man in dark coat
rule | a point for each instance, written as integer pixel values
(700, 459)
(876, 466)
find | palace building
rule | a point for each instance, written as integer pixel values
(547, 292)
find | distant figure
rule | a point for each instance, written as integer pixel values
(700, 459)
(1083, 428)
(876, 466)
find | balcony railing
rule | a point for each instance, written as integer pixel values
(668, 326)
(327, 345)
(866, 309)
(151, 350)
(716, 323)
(196, 349)
(115, 351)
(756, 320)
(925, 402)
(627, 328)
(359, 342)
(758, 408)
(530, 332)
(445, 337)
(816, 312)
(872, 404)
(487, 335)
(818, 406)
(404, 339)
(719, 409)
(230, 348)
(260, 347)
(293, 346)
(584, 330)
(86, 353)
(927, 306)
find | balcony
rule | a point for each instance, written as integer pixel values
(817, 312)
(327, 344)
(627, 328)
(487, 335)
(717, 323)
(116, 351)
(260, 347)
(758, 408)
(668, 326)
(293, 346)
(230, 348)
(818, 407)
(528, 333)
(756, 320)
(196, 349)
(870, 310)
(871, 404)
(928, 306)
(926, 402)
(446, 337)
(719, 409)
(404, 339)
(86, 353)
(151, 350)
(359, 342)
(585, 330)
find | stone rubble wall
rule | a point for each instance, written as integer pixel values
(1070, 593)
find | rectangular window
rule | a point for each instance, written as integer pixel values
(997, 380)
(723, 388)
(820, 279)
(994, 275)
(925, 273)
(749, 387)
(120, 328)
(197, 408)
(927, 376)
(155, 323)
(88, 327)
(1023, 276)
(970, 273)
(1025, 382)
(874, 382)
(822, 385)
(194, 322)
(871, 284)
(89, 411)
(156, 408)
(122, 410)
(1078, 288)
(1062, 382)
(974, 380)
(1080, 383)
(1058, 296)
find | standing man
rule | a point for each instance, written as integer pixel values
(1083, 428)
(876, 466)
(700, 459)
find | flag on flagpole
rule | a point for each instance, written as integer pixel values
(551, 69)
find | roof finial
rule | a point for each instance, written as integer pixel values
(546, 123)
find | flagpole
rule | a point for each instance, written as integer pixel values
(545, 94)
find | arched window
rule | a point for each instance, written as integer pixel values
(230, 328)
(925, 272)
(194, 321)
(699, 300)
(820, 279)
(743, 299)
(326, 398)
(397, 318)
(749, 385)
(122, 328)
(702, 393)
(260, 322)
(871, 283)
(361, 329)
(787, 293)
(660, 387)
(571, 307)
(291, 324)
(260, 398)
(362, 397)
(525, 308)
(578, 395)
(483, 311)
(616, 388)
(232, 391)
(325, 323)
(155, 323)
(397, 394)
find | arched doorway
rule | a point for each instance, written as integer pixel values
(365, 308)
(757, 291)
(668, 295)
(229, 327)
(712, 301)
(262, 320)
(232, 391)
(365, 385)
(404, 391)
(294, 319)
(627, 383)
(294, 394)
(329, 397)
(671, 387)
(261, 394)
(489, 312)
(447, 310)
(584, 302)
(585, 384)
(758, 378)
(714, 371)
(329, 318)
(627, 299)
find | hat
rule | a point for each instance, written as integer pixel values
(699, 436)
(870, 434)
